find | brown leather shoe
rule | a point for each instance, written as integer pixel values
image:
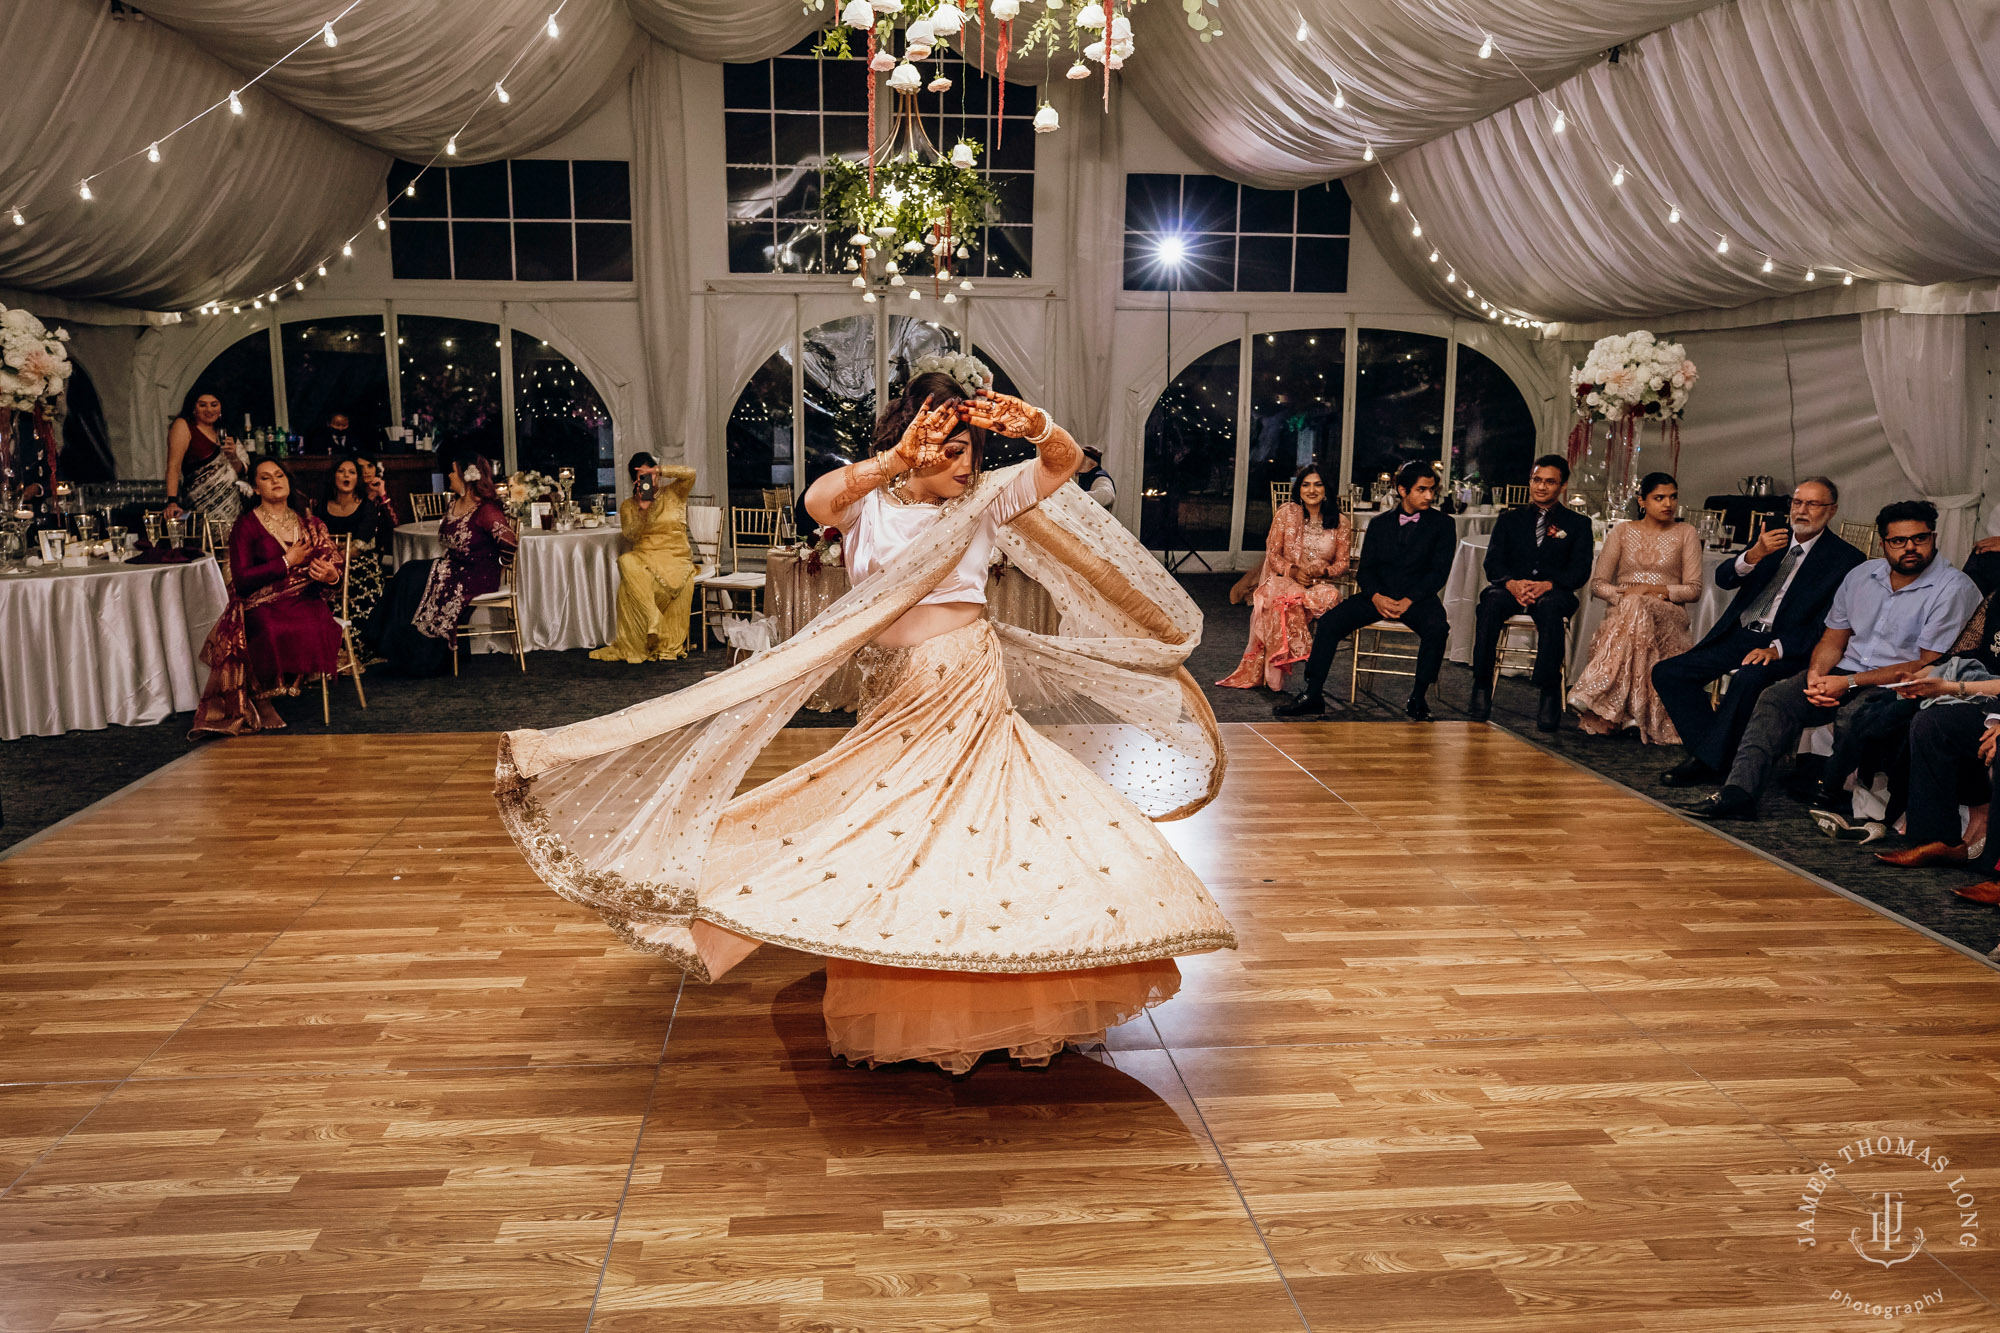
(1981, 893)
(1927, 854)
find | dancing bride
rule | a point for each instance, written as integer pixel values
(976, 860)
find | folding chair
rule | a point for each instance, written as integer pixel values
(507, 598)
(346, 639)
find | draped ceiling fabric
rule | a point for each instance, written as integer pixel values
(1916, 367)
(1852, 135)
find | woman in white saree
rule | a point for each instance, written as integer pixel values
(976, 859)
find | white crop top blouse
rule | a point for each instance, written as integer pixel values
(876, 529)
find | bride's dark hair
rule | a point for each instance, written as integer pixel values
(940, 388)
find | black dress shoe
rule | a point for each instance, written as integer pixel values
(1689, 772)
(1551, 714)
(1480, 707)
(1304, 704)
(1729, 803)
(1418, 709)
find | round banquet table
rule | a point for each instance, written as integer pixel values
(1468, 580)
(110, 645)
(793, 595)
(567, 581)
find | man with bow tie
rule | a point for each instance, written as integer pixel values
(1538, 557)
(1784, 585)
(1405, 560)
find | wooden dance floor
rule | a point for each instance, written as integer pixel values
(290, 1040)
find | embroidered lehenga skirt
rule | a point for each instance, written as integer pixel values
(973, 886)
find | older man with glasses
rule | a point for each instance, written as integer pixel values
(1784, 584)
(1889, 618)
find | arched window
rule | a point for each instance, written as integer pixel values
(451, 381)
(1398, 402)
(336, 365)
(1492, 428)
(1191, 457)
(559, 419)
(241, 378)
(1295, 379)
(759, 436)
(839, 393)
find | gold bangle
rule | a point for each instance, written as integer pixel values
(1048, 427)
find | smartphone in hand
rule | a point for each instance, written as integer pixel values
(642, 489)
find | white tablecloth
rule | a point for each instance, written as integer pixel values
(1468, 580)
(111, 645)
(568, 584)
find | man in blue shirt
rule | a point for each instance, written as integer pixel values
(1890, 617)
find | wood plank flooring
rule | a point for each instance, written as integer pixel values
(289, 1039)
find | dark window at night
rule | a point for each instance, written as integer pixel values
(1234, 238)
(533, 220)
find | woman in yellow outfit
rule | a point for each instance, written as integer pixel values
(656, 572)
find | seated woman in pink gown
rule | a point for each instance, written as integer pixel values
(1296, 584)
(278, 632)
(1649, 571)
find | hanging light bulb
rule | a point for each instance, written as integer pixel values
(1395, 194)
(1304, 31)
(1674, 213)
(1486, 48)
(326, 35)
(1416, 228)
(347, 250)
(451, 146)
(1847, 279)
(552, 30)
(153, 152)
(1811, 276)
(1562, 121)
(1450, 276)
(500, 91)
(83, 190)
(19, 221)
(258, 303)
(1768, 266)
(298, 284)
(1618, 176)
(1339, 99)
(1434, 256)
(1722, 246)
(1368, 153)
(322, 270)
(235, 103)
(381, 224)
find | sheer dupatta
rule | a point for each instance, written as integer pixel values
(617, 812)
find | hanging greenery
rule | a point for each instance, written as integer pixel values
(930, 204)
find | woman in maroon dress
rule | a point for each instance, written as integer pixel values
(429, 599)
(277, 633)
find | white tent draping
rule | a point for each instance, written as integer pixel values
(1916, 367)
(1853, 135)
(659, 259)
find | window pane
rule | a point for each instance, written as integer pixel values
(1010, 252)
(1152, 202)
(1210, 265)
(542, 252)
(336, 365)
(746, 138)
(603, 189)
(746, 87)
(753, 193)
(419, 250)
(1267, 210)
(1264, 264)
(481, 252)
(795, 85)
(798, 192)
(604, 252)
(752, 247)
(1017, 198)
(1322, 264)
(1492, 430)
(427, 202)
(1191, 456)
(541, 189)
(797, 140)
(479, 192)
(839, 394)
(559, 420)
(451, 380)
(759, 435)
(1323, 210)
(799, 247)
(1295, 381)
(1398, 402)
(1208, 203)
(241, 378)
(911, 340)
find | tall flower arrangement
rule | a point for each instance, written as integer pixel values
(1628, 379)
(34, 372)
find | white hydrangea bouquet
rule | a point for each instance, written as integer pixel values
(971, 373)
(523, 489)
(1628, 379)
(34, 371)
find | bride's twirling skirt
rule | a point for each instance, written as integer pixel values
(973, 885)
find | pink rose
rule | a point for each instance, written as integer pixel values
(38, 364)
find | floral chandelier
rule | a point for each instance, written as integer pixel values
(909, 200)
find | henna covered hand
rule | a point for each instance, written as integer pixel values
(927, 445)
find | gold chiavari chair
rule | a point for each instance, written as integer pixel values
(753, 530)
(705, 536)
(1381, 647)
(215, 537)
(1864, 536)
(429, 506)
(346, 624)
(777, 497)
(1513, 495)
(508, 599)
(1281, 491)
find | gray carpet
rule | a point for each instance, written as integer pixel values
(44, 779)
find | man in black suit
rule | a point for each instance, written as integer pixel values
(1784, 584)
(336, 437)
(1538, 557)
(1405, 560)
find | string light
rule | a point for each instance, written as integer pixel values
(1434, 256)
(500, 91)
(153, 152)
(1768, 266)
(1395, 194)
(1618, 176)
(451, 146)
(235, 103)
(553, 31)
(1847, 280)
(1812, 275)
(326, 35)
(1304, 31)
(83, 189)
(1368, 153)
(1722, 246)
(1674, 213)
(19, 220)
(381, 224)
(1416, 228)
(1561, 122)
(1486, 48)
(322, 270)
(298, 284)
(347, 250)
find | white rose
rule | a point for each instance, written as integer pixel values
(20, 319)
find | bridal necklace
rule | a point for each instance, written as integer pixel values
(902, 497)
(285, 528)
